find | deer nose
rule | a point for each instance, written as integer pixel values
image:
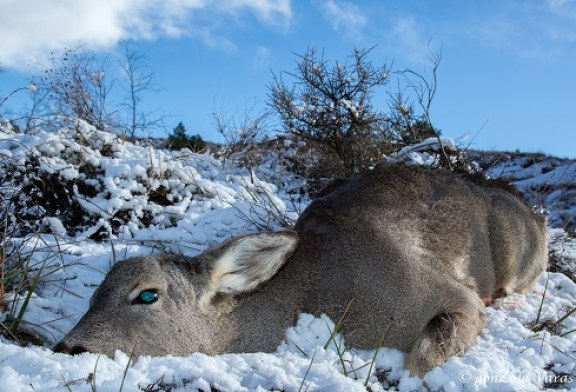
(65, 349)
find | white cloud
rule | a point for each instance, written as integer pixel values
(561, 5)
(529, 31)
(272, 12)
(345, 17)
(562, 30)
(407, 37)
(31, 29)
(262, 58)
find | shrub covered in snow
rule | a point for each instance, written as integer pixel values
(435, 152)
(329, 107)
(87, 183)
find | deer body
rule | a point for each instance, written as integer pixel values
(404, 255)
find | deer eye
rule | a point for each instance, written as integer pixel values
(146, 297)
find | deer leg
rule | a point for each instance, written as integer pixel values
(449, 333)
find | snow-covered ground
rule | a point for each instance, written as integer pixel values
(152, 201)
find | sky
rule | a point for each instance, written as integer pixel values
(506, 80)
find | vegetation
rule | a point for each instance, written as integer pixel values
(78, 85)
(330, 125)
(179, 139)
(75, 86)
(329, 109)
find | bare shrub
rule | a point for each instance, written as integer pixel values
(138, 80)
(330, 108)
(244, 137)
(329, 113)
(77, 85)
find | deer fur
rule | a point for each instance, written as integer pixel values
(407, 253)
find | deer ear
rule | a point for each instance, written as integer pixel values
(246, 262)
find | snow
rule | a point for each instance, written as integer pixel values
(424, 153)
(208, 203)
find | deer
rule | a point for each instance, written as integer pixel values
(404, 256)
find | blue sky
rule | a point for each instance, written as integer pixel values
(506, 81)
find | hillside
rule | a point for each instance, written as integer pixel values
(77, 200)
